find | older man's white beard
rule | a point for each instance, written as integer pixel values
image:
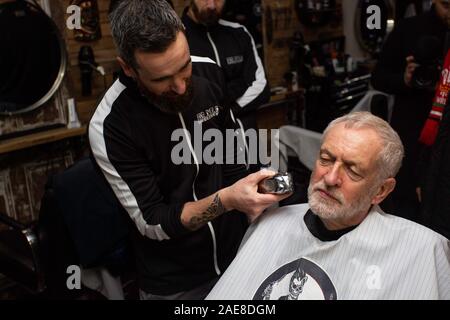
(331, 209)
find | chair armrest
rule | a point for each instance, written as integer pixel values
(11, 222)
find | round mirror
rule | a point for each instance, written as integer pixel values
(32, 59)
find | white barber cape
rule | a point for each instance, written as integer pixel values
(385, 257)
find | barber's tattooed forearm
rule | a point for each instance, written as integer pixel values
(214, 210)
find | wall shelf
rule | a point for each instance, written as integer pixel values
(39, 138)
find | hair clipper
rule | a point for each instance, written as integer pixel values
(281, 183)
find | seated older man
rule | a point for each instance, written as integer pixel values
(341, 245)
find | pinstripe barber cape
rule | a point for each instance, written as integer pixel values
(385, 257)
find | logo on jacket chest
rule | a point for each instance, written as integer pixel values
(235, 60)
(208, 114)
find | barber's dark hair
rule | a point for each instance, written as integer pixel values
(143, 25)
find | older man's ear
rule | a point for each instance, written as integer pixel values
(384, 190)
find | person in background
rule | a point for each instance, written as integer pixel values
(414, 41)
(232, 47)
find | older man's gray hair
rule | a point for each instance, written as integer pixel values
(143, 25)
(391, 155)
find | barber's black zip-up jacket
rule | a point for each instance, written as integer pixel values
(131, 141)
(232, 47)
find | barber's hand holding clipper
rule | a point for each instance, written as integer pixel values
(244, 196)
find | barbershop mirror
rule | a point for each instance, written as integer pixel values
(32, 57)
(381, 20)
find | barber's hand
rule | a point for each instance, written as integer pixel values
(243, 195)
(409, 70)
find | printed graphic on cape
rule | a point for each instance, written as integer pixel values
(301, 279)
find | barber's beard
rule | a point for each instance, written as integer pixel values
(208, 18)
(169, 102)
(329, 209)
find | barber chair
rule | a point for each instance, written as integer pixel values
(20, 258)
(298, 151)
(376, 102)
(34, 255)
(80, 223)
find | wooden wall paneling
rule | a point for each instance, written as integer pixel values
(180, 5)
(279, 24)
(36, 174)
(7, 205)
(52, 113)
(23, 175)
(105, 55)
(280, 21)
